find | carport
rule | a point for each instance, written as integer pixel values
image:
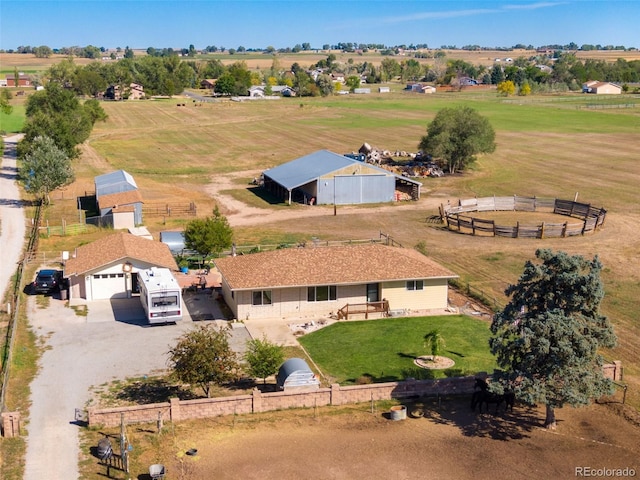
(327, 178)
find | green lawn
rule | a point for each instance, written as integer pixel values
(12, 123)
(384, 350)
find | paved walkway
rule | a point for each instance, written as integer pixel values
(12, 219)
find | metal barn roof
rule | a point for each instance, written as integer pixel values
(306, 169)
(114, 182)
(309, 168)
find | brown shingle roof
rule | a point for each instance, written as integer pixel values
(120, 198)
(119, 246)
(351, 264)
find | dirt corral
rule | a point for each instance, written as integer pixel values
(437, 440)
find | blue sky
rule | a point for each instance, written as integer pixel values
(262, 23)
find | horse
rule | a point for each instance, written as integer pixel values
(482, 395)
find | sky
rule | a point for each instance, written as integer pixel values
(263, 23)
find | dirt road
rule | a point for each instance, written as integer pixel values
(12, 220)
(240, 214)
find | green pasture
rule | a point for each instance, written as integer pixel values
(385, 350)
(13, 122)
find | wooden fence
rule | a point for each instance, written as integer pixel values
(590, 218)
(169, 209)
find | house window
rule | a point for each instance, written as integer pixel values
(261, 297)
(322, 294)
(415, 285)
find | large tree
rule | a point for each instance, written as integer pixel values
(263, 358)
(203, 357)
(55, 112)
(5, 99)
(209, 235)
(45, 168)
(456, 136)
(546, 339)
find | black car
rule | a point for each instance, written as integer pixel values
(47, 281)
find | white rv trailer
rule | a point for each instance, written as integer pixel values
(160, 295)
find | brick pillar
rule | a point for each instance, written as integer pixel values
(257, 401)
(174, 409)
(336, 398)
(10, 424)
(90, 416)
(617, 371)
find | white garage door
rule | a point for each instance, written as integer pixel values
(108, 285)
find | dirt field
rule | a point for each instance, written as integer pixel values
(446, 441)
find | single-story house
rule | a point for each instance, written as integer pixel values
(320, 281)
(601, 88)
(420, 88)
(107, 268)
(118, 197)
(208, 83)
(326, 178)
(284, 90)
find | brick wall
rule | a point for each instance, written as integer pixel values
(177, 410)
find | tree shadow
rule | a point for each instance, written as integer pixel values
(456, 411)
(155, 390)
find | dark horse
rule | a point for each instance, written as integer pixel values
(482, 395)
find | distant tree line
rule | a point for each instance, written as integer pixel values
(164, 72)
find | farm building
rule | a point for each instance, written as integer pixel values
(107, 268)
(174, 240)
(295, 374)
(326, 178)
(314, 282)
(601, 88)
(118, 199)
(23, 80)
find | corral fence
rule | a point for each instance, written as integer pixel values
(169, 209)
(456, 219)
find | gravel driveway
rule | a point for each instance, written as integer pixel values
(12, 220)
(85, 351)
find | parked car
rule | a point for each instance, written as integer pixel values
(47, 281)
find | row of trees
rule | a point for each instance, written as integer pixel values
(342, 46)
(162, 74)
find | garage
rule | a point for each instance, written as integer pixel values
(107, 268)
(108, 285)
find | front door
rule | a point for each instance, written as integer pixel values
(373, 292)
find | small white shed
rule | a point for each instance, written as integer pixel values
(295, 373)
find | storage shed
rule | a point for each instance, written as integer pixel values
(326, 178)
(175, 241)
(295, 373)
(117, 196)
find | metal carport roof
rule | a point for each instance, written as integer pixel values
(306, 169)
